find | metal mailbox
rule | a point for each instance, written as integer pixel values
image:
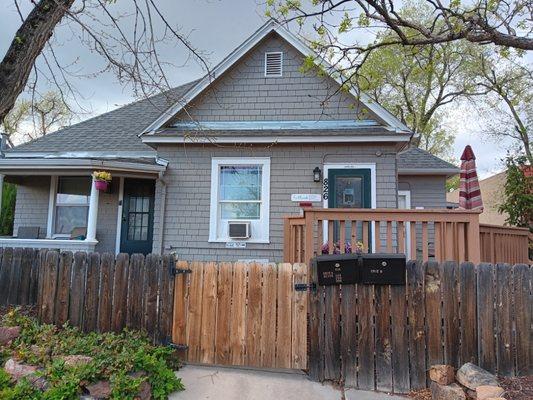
(336, 269)
(383, 269)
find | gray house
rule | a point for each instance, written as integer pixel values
(209, 169)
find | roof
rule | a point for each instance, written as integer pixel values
(270, 26)
(420, 162)
(114, 131)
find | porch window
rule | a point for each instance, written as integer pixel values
(240, 191)
(71, 204)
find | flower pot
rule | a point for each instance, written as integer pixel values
(101, 185)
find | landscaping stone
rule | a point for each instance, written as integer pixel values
(145, 389)
(472, 376)
(485, 392)
(99, 390)
(76, 360)
(442, 374)
(471, 394)
(447, 392)
(18, 370)
(8, 333)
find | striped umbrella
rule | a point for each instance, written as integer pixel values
(469, 193)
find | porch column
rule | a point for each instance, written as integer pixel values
(93, 212)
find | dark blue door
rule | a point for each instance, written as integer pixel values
(137, 216)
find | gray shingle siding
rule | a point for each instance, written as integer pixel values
(426, 191)
(188, 187)
(31, 205)
(244, 93)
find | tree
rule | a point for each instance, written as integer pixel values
(518, 194)
(508, 107)
(11, 124)
(130, 45)
(49, 113)
(7, 213)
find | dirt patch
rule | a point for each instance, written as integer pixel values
(28, 311)
(422, 394)
(517, 388)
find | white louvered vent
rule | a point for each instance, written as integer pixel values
(274, 64)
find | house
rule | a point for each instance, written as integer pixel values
(492, 189)
(209, 169)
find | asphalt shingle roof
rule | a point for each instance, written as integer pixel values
(114, 130)
(415, 158)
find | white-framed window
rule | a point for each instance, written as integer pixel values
(240, 191)
(70, 195)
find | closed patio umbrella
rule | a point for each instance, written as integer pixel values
(469, 193)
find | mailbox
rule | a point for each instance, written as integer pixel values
(336, 269)
(383, 269)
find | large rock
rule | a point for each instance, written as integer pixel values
(447, 392)
(485, 392)
(442, 374)
(8, 333)
(18, 370)
(472, 376)
(145, 389)
(99, 390)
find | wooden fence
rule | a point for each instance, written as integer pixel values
(504, 244)
(387, 337)
(103, 293)
(242, 314)
(18, 276)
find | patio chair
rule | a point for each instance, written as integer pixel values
(28, 232)
(78, 233)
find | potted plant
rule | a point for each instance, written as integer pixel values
(101, 180)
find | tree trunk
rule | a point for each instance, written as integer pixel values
(27, 44)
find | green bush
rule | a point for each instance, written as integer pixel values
(7, 213)
(115, 357)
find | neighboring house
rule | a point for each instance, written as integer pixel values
(189, 163)
(492, 190)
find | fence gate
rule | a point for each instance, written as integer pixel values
(242, 314)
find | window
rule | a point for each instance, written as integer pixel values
(274, 64)
(71, 204)
(240, 191)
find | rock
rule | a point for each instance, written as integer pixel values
(496, 398)
(99, 390)
(447, 392)
(472, 376)
(145, 389)
(18, 370)
(8, 333)
(485, 392)
(442, 374)
(471, 394)
(76, 360)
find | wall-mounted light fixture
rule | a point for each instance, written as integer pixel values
(317, 174)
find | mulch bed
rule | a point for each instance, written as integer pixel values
(29, 311)
(518, 388)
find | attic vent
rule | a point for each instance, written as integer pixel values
(273, 64)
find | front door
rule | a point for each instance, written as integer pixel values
(349, 188)
(137, 216)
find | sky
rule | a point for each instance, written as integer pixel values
(214, 27)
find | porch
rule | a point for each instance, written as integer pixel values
(59, 207)
(439, 235)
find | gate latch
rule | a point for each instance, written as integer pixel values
(302, 287)
(176, 271)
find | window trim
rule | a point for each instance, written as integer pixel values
(214, 215)
(52, 204)
(280, 66)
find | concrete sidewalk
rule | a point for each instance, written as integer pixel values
(220, 383)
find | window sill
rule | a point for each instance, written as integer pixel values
(228, 240)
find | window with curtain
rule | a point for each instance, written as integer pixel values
(72, 204)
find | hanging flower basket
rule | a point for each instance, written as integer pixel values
(101, 180)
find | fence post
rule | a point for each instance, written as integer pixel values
(287, 240)
(309, 237)
(473, 240)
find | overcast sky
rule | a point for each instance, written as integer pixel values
(215, 27)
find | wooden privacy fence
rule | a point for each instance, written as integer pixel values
(504, 244)
(103, 293)
(387, 337)
(18, 276)
(242, 314)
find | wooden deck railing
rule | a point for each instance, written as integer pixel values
(421, 234)
(504, 244)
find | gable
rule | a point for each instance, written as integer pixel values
(243, 93)
(193, 99)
